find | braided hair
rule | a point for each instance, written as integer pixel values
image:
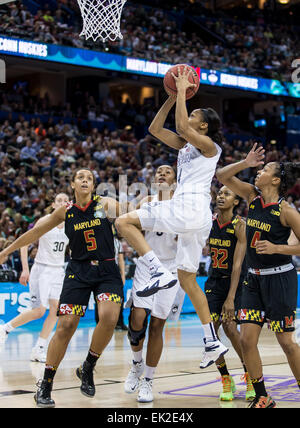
(288, 172)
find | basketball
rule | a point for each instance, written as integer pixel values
(170, 84)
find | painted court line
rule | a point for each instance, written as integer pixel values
(282, 388)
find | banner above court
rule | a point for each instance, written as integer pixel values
(121, 63)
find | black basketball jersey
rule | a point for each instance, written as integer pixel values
(263, 224)
(89, 231)
(222, 243)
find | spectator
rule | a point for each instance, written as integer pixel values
(27, 152)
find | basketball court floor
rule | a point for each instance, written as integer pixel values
(179, 382)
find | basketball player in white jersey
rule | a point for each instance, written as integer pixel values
(45, 283)
(159, 305)
(188, 213)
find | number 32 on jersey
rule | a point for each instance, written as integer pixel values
(219, 258)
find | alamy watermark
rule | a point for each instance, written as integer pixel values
(2, 71)
(296, 73)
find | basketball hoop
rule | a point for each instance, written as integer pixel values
(101, 19)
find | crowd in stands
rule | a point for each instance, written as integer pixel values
(240, 47)
(176, 36)
(37, 157)
(37, 160)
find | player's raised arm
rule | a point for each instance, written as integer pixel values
(227, 174)
(48, 223)
(193, 128)
(163, 134)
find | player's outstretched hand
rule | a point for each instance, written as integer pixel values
(228, 310)
(182, 80)
(256, 156)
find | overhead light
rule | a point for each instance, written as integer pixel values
(283, 1)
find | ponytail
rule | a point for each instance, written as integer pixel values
(214, 130)
(288, 172)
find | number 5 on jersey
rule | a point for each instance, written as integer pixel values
(90, 240)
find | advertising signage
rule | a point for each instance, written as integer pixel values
(107, 61)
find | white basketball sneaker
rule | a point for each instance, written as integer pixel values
(213, 350)
(161, 279)
(145, 392)
(38, 354)
(133, 379)
(3, 335)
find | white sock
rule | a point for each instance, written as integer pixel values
(151, 260)
(209, 332)
(149, 372)
(8, 327)
(137, 356)
(41, 343)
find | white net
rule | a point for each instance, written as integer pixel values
(101, 19)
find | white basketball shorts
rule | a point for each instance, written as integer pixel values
(188, 216)
(164, 302)
(45, 283)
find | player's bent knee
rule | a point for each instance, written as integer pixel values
(185, 277)
(108, 314)
(137, 323)
(120, 224)
(135, 336)
(124, 220)
(108, 321)
(38, 313)
(287, 343)
(66, 326)
(289, 348)
(248, 343)
(156, 327)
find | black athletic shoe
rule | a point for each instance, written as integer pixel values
(43, 395)
(85, 374)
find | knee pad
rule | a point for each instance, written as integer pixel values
(136, 336)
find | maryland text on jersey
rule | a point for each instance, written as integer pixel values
(87, 224)
(220, 242)
(258, 224)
